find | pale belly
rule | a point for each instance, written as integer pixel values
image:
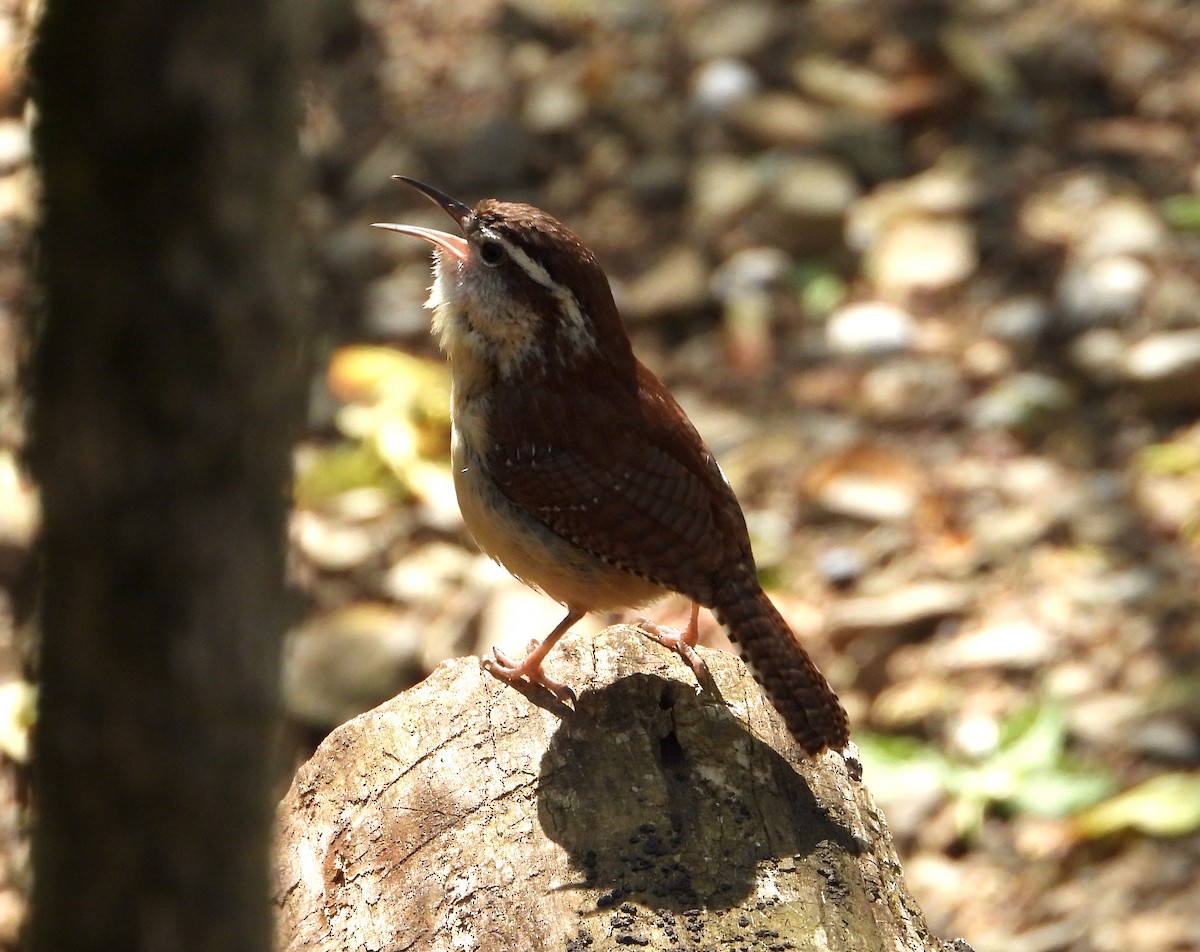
(536, 555)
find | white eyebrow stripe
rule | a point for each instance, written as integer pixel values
(578, 332)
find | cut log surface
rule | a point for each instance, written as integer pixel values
(465, 815)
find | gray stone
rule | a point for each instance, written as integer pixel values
(721, 83)
(1021, 402)
(339, 665)
(1018, 320)
(1103, 290)
(916, 604)
(869, 328)
(813, 186)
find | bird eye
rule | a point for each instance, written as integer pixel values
(491, 253)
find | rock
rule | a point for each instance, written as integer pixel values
(749, 271)
(429, 575)
(1103, 290)
(917, 604)
(658, 181)
(344, 663)
(1104, 719)
(867, 496)
(813, 187)
(912, 389)
(1018, 320)
(1122, 225)
(676, 282)
(1100, 353)
(721, 83)
(948, 190)
(781, 119)
(869, 328)
(723, 188)
(468, 815)
(840, 565)
(747, 285)
(1167, 739)
(331, 544)
(553, 105)
(1160, 356)
(1165, 370)
(1022, 402)
(851, 85)
(922, 254)
(15, 147)
(1014, 645)
(731, 30)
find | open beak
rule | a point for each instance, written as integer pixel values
(454, 245)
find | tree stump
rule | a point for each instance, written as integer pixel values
(465, 815)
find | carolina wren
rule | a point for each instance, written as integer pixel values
(577, 470)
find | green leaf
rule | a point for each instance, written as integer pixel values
(1060, 793)
(1169, 459)
(1166, 805)
(1182, 211)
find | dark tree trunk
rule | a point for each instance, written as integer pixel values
(168, 383)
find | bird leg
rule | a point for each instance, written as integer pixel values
(529, 668)
(683, 643)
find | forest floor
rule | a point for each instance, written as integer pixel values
(927, 278)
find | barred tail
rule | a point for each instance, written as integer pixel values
(780, 664)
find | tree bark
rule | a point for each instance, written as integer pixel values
(464, 814)
(168, 383)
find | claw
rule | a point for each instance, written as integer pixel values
(683, 643)
(529, 669)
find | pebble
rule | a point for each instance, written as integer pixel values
(723, 188)
(750, 270)
(1100, 353)
(1015, 645)
(781, 119)
(677, 282)
(1104, 718)
(915, 604)
(338, 665)
(721, 83)
(731, 30)
(912, 389)
(948, 190)
(869, 328)
(872, 497)
(331, 544)
(1167, 739)
(1021, 402)
(1164, 355)
(429, 575)
(813, 187)
(1122, 225)
(15, 147)
(1103, 290)
(922, 254)
(553, 106)
(840, 566)
(1018, 320)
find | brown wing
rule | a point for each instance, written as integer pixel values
(627, 480)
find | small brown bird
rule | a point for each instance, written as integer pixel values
(577, 470)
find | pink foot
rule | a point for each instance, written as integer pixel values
(683, 643)
(503, 668)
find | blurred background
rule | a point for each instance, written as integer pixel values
(926, 275)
